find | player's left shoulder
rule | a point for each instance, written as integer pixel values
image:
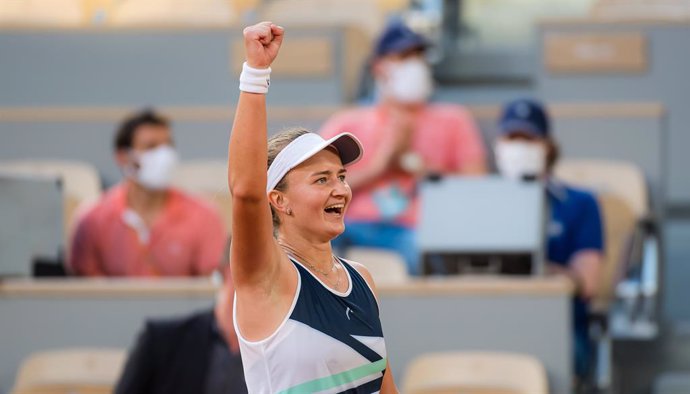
(362, 270)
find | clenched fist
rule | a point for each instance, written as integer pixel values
(261, 44)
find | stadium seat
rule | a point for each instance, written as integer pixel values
(70, 371)
(81, 185)
(209, 180)
(622, 195)
(386, 267)
(619, 227)
(393, 5)
(626, 302)
(619, 178)
(475, 373)
(624, 198)
(66, 13)
(168, 12)
(641, 9)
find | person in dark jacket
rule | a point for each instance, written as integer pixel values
(193, 354)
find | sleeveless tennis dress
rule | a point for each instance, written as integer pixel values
(331, 342)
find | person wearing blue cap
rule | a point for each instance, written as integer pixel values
(525, 149)
(406, 138)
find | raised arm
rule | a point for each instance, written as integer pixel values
(254, 254)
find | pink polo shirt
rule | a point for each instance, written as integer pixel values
(188, 238)
(445, 136)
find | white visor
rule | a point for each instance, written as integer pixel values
(302, 148)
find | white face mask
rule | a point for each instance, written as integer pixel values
(408, 81)
(520, 159)
(156, 167)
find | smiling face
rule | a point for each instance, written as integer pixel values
(317, 195)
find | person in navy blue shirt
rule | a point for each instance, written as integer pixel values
(525, 149)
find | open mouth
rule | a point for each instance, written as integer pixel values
(335, 209)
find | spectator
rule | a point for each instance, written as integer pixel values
(142, 226)
(405, 137)
(193, 354)
(526, 149)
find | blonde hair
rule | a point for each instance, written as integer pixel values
(275, 145)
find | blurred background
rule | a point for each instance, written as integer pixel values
(611, 75)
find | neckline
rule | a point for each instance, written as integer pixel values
(336, 292)
(168, 208)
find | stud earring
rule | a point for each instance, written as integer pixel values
(289, 211)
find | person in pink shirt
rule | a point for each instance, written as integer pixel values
(142, 226)
(406, 138)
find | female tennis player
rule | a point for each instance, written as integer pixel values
(307, 321)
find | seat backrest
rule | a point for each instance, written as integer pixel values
(70, 371)
(81, 183)
(207, 179)
(41, 12)
(390, 6)
(619, 223)
(622, 197)
(166, 12)
(386, 267)
(80, 179)
(646, 9)
(619, 178)
(475, 373)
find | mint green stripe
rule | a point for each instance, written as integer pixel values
(338, 379)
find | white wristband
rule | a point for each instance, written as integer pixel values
(255, 80)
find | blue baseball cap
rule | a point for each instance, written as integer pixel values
(397, 38)
(526, 116)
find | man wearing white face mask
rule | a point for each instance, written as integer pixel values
(142, 226)
(406, 138)
(525, 149)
